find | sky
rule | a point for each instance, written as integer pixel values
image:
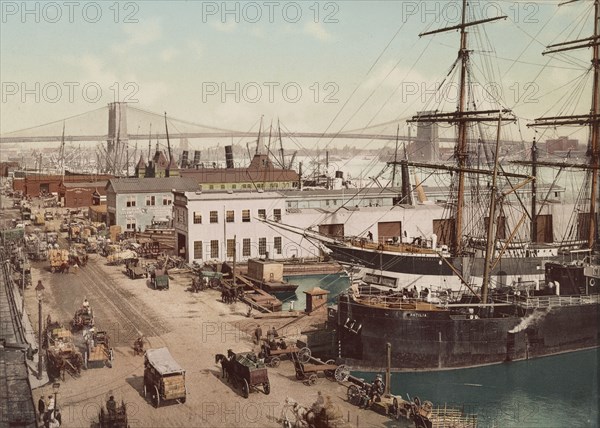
(315, 66)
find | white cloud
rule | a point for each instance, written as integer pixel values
(225, 27)
(140, 34)
(316, 30)
(168, 54)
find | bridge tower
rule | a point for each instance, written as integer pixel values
(118, 138)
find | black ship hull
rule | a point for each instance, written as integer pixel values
(439, 340)
(526, 266)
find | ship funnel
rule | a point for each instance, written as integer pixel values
(184, 159)
(196, 157)
(229, 156)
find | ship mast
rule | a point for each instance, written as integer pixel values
(592, 119)
(491, 235)
(462, 117)
(533, 232)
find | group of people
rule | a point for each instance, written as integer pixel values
(49, 413)
(372, 393)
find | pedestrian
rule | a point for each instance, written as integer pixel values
(111, 406)
(41, 407)
(50, 404)
(257, 335)
(58, 416)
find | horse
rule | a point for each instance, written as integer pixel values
(225, 364)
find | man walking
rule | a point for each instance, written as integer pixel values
(41, 407)
(257, 335)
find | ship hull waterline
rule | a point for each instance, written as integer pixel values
(430, 341)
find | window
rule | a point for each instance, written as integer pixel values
(233, 186)
(214, 217)
(262, 214)
(262, 246)
(150, 200)
(231, 248)
(131, 201)
(214, 249)
(277, 245)
(197, 249)
(197, 219)
(131, 226)
(167, 200)
(277, 214)
(246, 247)
(245, 216)
(229, 216)
(222, 187)
(211, 187)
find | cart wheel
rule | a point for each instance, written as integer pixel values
(245, 389)
(353, 394)
(156, 398)
(342, 373)
(85, 360)
(274, 362)
(300, 375)
(330, 373)
(145, 390)
(304, 355)
(312, 379)
(267, 388)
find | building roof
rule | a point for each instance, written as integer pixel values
(316, 291)
(98, 208)
(237, 195)
(151, 185)
(92, 184)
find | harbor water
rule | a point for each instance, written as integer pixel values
(551, 392)
(334, 283)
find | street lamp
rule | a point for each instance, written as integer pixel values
(39, 291)
(55, 388)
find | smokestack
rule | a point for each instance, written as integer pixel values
(229, 156)
(196, 157)
(184, 159)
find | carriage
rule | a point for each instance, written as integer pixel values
(207, 279)
(61, 354)
(246, 372)
(113, 418)
(307, 369)
(164, 378)
(83, 318)
(98, 351)
(159, 279)
(134, 269)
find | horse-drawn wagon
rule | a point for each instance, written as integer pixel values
(164, 379)
(310, 367)
(61, 354)
(83, 318)
(98, 351)
(114, 416)
(134, 269)
(245, 371)
(206, 279)
(159, 279)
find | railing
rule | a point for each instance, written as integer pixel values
(556, 301)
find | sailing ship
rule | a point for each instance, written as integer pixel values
(493, 324)
(497, 324)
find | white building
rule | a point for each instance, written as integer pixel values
(206, 223)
